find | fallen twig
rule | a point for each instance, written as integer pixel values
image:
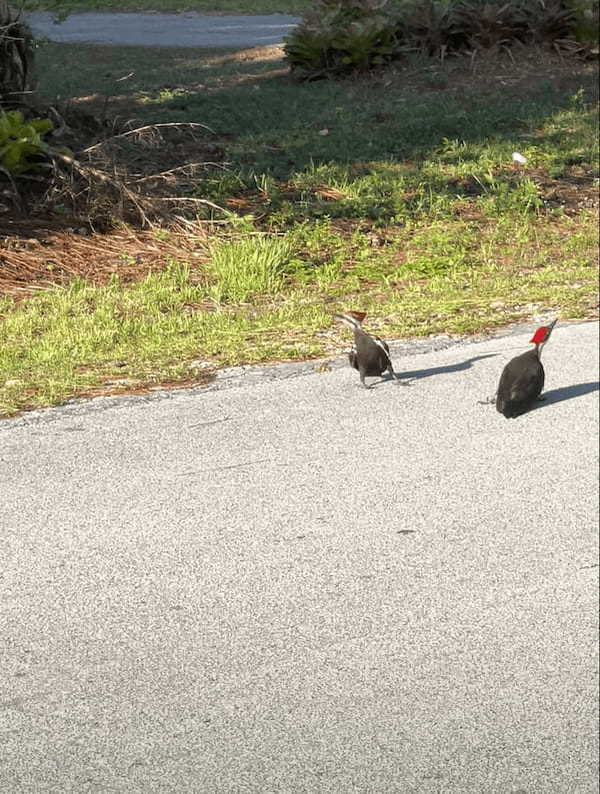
(174, 124)
(162, 174)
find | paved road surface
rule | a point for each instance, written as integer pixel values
(165, 30)
(284, 583)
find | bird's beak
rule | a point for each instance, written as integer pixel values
(551, 326)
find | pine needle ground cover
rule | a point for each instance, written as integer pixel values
(395, 194)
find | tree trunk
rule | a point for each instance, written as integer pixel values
(16, 55)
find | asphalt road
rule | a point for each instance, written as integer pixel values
(164, 30)
(285, 583)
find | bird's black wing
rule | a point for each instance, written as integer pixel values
(521, 382)
(383, 346)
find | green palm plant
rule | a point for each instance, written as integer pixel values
(491, 24)
(430, 25)
(343, 35)
(548, 20)
(339, 36)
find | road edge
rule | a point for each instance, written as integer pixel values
(255, 374)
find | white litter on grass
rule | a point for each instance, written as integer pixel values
(518, 158)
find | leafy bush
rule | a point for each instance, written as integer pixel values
(491, 24)
(22, 147)
(431, 26)
(340, 36)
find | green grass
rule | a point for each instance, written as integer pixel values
(247, 267)
(409, 208)
(200, 6)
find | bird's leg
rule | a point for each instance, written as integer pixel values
(362, 379)
(395, 375)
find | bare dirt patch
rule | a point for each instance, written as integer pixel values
(112, 389)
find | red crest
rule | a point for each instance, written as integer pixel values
(540, 336)
(360, 316)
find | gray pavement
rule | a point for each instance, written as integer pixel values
(285, 583)
(164, 30)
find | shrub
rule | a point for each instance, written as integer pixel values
(343, 35)
(492, 24)
(340, 36)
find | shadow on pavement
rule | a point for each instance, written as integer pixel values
(568, 393)
(426, 373)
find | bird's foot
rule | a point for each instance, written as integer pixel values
(488, 401)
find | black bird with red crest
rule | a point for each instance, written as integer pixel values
(370, 355)
(522, 379)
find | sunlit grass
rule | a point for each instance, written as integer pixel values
(248, 266)
(431, 279)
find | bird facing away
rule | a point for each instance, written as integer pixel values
(522, 379)
(370, 355)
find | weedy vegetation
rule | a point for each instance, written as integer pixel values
(394, 192)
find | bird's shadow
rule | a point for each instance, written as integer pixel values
(557, 395)
(567, 393)
(418, 374)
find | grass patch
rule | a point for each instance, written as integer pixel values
(395, 194)
(200, 6)
(430, 279)
(244, 268)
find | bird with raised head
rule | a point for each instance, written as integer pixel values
(522, 379)
(370, 354)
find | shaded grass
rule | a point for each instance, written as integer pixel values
(375, 140)
(394, 194)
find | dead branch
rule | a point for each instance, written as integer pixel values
(175, 124)
(178, 168)
(192, 200)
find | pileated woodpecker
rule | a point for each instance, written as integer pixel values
(522, 379)
(370, 355)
